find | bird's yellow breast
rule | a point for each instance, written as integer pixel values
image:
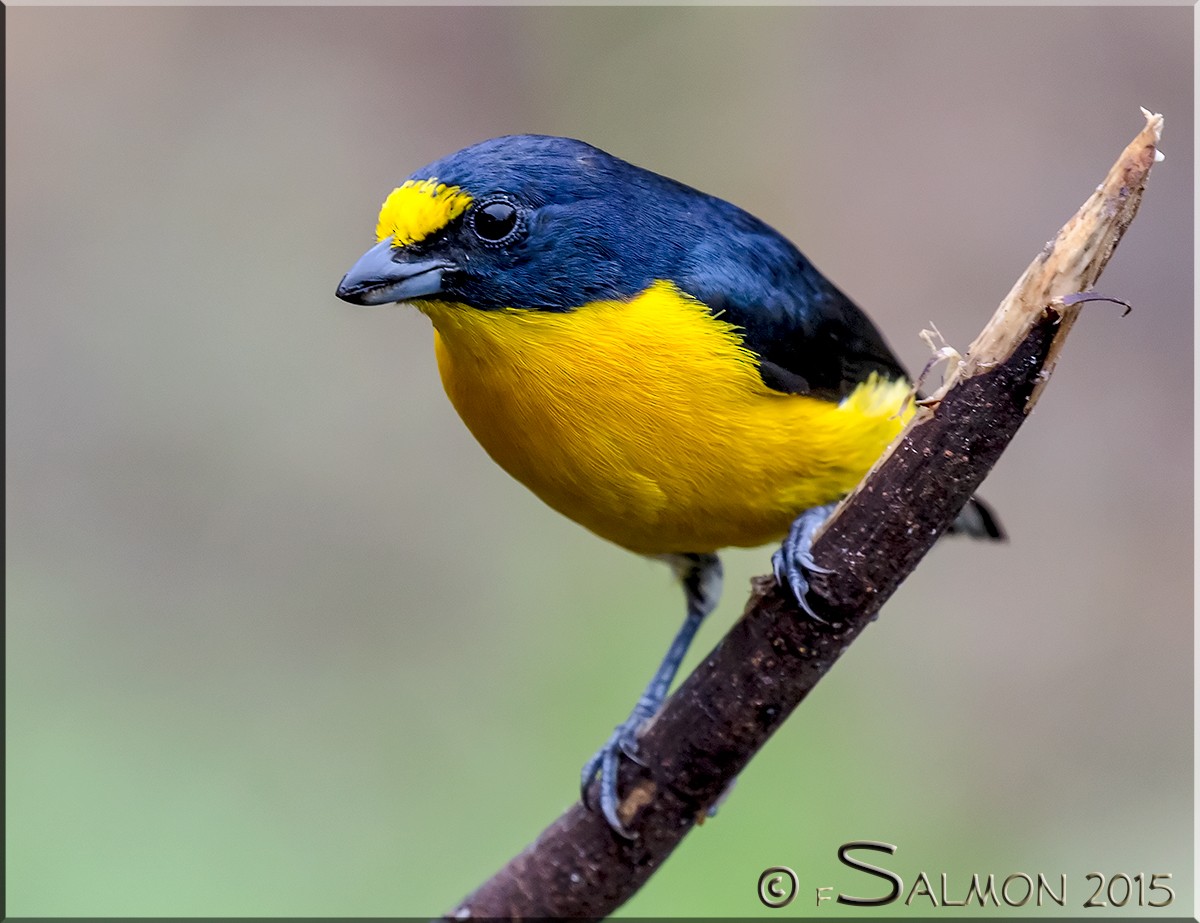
(647, 421)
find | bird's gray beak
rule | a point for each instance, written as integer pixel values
(382, 276)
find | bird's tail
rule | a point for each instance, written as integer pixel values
(978, 521)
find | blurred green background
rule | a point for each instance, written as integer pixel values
(282, 640)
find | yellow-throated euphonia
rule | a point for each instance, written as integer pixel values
(653, 362)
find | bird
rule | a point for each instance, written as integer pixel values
(651, 361)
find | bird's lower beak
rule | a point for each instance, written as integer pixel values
(383, 276)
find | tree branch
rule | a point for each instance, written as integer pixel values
(764, 667)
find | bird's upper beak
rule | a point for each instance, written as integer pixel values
(383, 275)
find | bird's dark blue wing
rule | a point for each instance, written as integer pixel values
(810, 337)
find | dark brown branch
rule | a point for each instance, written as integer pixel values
(725, 711)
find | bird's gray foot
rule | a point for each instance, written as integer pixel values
(700, 575)
(793, 562)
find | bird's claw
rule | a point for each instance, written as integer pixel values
(793, 562)
(606, 762)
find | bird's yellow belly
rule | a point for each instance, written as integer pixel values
(648, 423)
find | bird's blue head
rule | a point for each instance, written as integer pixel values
(535, 222)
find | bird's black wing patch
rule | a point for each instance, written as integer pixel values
(778, 378)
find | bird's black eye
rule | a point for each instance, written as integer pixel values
(495, 222)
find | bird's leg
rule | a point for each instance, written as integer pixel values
(700, 575)
(794, 562)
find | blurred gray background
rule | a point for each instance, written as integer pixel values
(282, 640)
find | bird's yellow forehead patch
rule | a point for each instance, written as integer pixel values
(417, 209)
